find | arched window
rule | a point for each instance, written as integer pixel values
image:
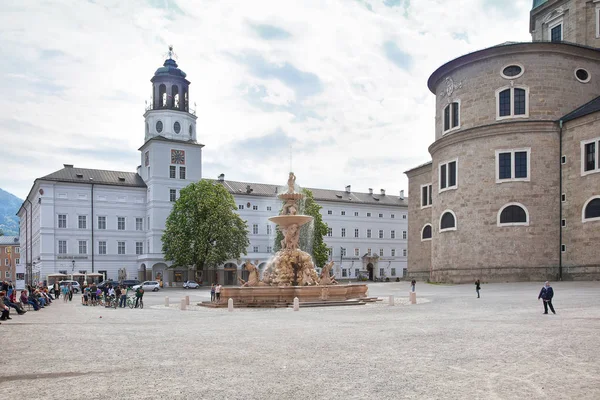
(513, 214)
(591, 210)
(512, 102)
(185, 100)
(175, 94)
(426, 232)
(162, 95)
(448, 221)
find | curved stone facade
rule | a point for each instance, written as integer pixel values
(491, 162)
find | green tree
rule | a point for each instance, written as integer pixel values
(311, 235)
(204, 229)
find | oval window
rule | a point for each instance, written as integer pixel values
(512, 71)
(177, 127)
(582, 75)
(159, 126)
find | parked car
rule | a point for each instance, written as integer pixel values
(148, 285)
(102, 284)
(191, 285)
(130, 283)
(75, 284)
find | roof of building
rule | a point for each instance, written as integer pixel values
(164, 139)
(97, 176)
(586, 109)
(170, 67)
(428, 163)
(9, 240)
(537, 3)
(268, 190)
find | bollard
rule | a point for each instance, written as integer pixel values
(296, 304)
(166, 301)
(391, 300)
(187, 300)
(230, 304)
(413, 297)
(182, 304)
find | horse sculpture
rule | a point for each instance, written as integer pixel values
(326, 278)
(253, 275)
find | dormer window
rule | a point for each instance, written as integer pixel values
(452, 116)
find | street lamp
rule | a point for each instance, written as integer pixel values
(73, 265)
(342, 257)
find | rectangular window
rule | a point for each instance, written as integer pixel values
(139, 224)
(404, 235)
(83, 247)
(269, 249)
(101, 223)
(268, 208)
(368, 234)
(62, 247)
(255, 208)
(6, 262)
(380, 252)
(381, 272)
(102, 247)
(512, 165)
(329, 232)
(172, 195)
(403, 252)
(181, 172)
(563, 223)
(120, 247)
(451, 116)
(393, 271)
(17, 261)
(172, 171)
(356, 272)
(269, 229)
(393, 253)
(380, 215)
(255, 249)
(343, 251)
(17, 250)
(356, 232)
(381, 234)
(240, 206)
(356, 252)
(343, 232)
(139, 248)
(448, 175)
(344, 273)
(512, 102)
(392, 216)
(393, 235)
(62, 221)
(356, 213)
(369, 251)
(255, 229)
(343, 213)
(504, 103)
(368, 214)
(556, 33)
(455, 113)
(82, 221)
(519, 106)
(329, 212)
(563, 160)
(404, 215)
(426, 196)
(121, 223)
(563, 247)
(330, 251)
(589, 157)
(563, 197)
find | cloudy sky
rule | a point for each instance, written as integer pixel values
(341, 82)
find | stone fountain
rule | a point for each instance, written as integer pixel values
(291, 272)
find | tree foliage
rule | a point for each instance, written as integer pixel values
(204, 229)
(311, 235)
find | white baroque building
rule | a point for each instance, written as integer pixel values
(78, 220)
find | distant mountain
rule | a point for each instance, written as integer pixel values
(9, 205)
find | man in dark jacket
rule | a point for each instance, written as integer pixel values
(546, 294)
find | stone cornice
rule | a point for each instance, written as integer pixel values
(504, 128)
(423, 168)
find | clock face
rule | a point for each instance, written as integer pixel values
(159, 126)
(177, 157)
(147, 159)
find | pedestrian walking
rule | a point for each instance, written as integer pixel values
(218, 292)
(477, 287)
(413, 283)
(546, 294)
(70, 292)
(65, 293)
(212, 293)
(139, 294)
(56, 289)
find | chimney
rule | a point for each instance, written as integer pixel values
(348, 189)
(68, 165)
(370, 190)
(383, 192)
(402, 195)
(221, 177)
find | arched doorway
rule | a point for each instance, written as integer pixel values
(142, 272)
(370, 269)
(230, 274)
(158, 272)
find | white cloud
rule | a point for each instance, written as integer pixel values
(75, 76)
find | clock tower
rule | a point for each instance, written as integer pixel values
(171, 158)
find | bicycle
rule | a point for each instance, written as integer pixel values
(131, 302)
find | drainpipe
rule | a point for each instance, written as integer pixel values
(560, 235)
(92, 182)
(30, 242)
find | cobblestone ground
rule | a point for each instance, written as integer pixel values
(450, 346)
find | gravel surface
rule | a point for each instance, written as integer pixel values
(449, 346)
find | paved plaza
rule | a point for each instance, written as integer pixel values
(450, 346)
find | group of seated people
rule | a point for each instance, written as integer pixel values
(37, 298)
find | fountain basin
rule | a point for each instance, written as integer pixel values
(286, 220)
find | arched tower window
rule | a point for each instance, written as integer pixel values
(186, 105)
(447, 221)
(175, 94)
(513, 214)
(162, 95)
(591, 210)
(426, 232)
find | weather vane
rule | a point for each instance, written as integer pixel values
(171, 54)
